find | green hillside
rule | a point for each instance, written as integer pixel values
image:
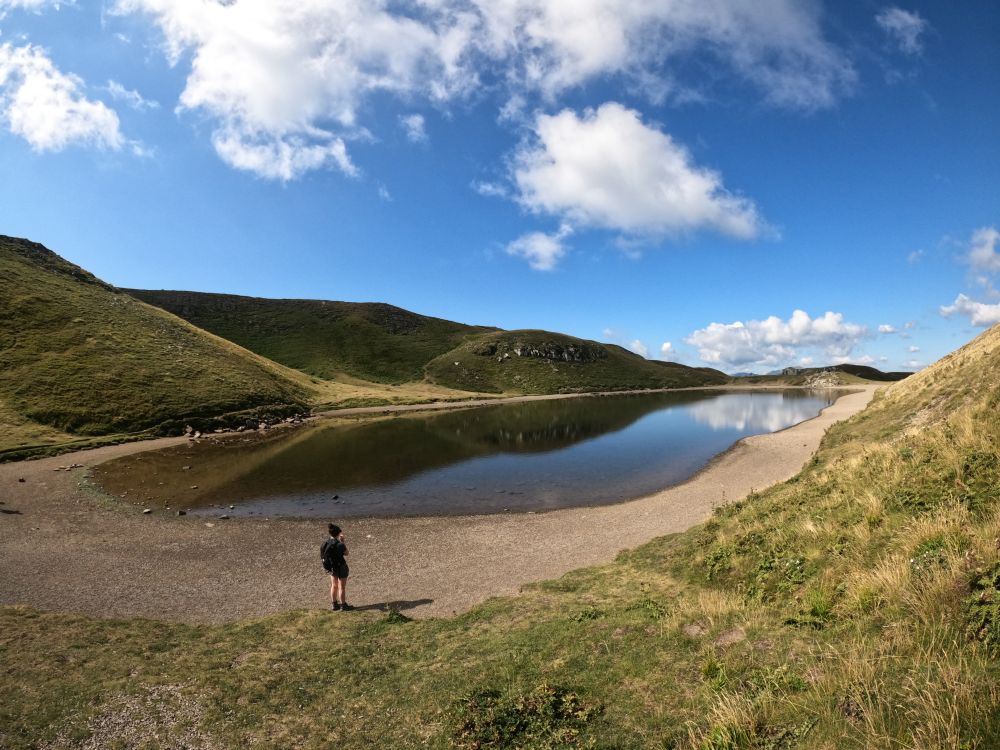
(372, 341)
(844, 374)
(544, 362)
(82, 358)
(855, 606)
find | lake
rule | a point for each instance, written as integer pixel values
(534, 456)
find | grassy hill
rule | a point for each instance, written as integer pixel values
(78, 357)
(386, 344)
(846, 374)
(372, 341)
(545, 362)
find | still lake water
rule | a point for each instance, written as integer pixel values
(519, 457)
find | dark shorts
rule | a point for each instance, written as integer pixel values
(341, 573)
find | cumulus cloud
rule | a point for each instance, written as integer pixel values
(639, 348)
(287, 76)
(607, 169)
(667, 351)
(542, 251)
(905, 28)
(913, 349)
(774, 342)
(983, 255)
(132, 98)
(415, 127)
(979, 313)
(47, 107)
(777, 46)
(886, 328)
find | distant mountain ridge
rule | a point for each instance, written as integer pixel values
(368, 340)
(379, 342)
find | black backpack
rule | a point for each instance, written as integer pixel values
(326, 553)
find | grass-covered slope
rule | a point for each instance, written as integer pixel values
(80, 357)
(373, 341)
(845, 374)
(545, 362)
(855, 606)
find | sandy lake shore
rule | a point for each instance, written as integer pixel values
(65, 547)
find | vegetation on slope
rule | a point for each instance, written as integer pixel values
(545, 362)
(82, 358)
(846, 374)
(855, 606)
(373, 341)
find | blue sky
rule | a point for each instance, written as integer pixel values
(755, 183)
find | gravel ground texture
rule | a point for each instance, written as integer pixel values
(64, 546)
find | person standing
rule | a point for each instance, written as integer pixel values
(334, 554)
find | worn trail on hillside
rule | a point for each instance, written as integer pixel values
(64, 547)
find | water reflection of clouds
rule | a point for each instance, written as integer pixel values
(744, 411)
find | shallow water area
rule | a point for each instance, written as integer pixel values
(525, 457)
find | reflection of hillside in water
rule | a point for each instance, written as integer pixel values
(322, 458)
(542, 426)
(766, 412)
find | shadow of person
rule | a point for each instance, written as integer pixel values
(400, 605)
(9, 512)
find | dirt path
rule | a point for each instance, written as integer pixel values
(63, 547)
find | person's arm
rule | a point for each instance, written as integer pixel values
(343, 544)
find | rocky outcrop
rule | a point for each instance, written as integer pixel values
(552, 351)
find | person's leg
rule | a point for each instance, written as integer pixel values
(343, 591)
(333, 589)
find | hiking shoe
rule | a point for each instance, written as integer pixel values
(335, 606)
(346, 607)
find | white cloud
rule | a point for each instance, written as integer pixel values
(607, 169)
(806, 361)
(415, 127)
(912, 364)
(979, 313)
(886, 328)
(279, 158)
(904, 27)
(983, 255)
(132, 98)
(776, 45)
(916, 256)
(284, 79)
(542, 251)
(667, 351)
(384, 194)
(47, 107)
(289, 76)
(914, 349)
(639, 348)
(774, 342)
(490, 189)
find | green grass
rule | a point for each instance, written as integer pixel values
(373, 341)
(545, 362)
(82, 358)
